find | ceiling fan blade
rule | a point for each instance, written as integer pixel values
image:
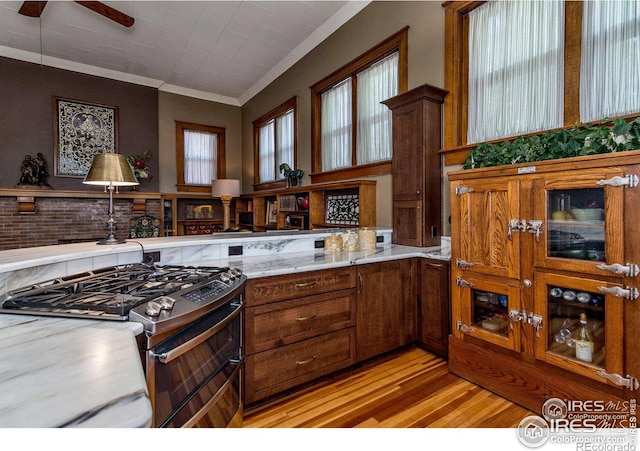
(32, 9)
(108, 12)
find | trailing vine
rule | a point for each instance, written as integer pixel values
(554, 144)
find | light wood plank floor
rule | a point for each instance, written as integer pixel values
(411, 388)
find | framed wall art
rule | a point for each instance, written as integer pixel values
(272, 213)
(81, 130)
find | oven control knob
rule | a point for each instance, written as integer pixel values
(236, 272)
(225, 277)
(153, 309)
(166, 302)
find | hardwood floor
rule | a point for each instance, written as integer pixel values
(411, 388)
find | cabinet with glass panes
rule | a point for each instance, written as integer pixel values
(537, 252)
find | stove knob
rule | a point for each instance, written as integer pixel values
(166, 302)
(153, 309)
(225, 277)
(236, 272)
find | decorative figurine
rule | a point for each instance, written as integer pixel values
(34, 172)
(42, 172)
(291, 174)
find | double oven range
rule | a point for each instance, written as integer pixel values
(192, 345)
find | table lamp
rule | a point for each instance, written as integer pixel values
(110, 170)
(225, 189)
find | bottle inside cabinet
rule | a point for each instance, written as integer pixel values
(567, 307)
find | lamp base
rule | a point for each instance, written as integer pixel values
(111, 240)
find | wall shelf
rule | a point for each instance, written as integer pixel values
(351, 203)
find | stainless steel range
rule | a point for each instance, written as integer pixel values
(192, 348)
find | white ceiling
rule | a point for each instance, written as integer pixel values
(226, 51)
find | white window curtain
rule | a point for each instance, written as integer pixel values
(284, 141)
(516, 54)
(375, 84)
(336, 126)
(200, 156)
(267, 152)
(610, 66)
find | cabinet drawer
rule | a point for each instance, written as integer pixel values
(280, 323)
(277, 288)
(271, 372)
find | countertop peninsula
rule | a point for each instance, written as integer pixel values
(59, 372)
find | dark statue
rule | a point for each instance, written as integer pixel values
(34, 171)
(291, 174)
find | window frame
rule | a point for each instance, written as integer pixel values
(395, 43)
(220, 157)
(280, 110)
(456, 148)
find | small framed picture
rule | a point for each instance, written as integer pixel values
(272, 213)
(296, 222)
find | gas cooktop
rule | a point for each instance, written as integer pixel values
(113, 292)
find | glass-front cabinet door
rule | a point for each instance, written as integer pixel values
(581, 326)
(488, 311)
(580, 218)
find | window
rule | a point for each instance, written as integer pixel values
(577, 16)
(516, 53)
(200, 156)
(274, 143)
(351, 129)
(609, 81)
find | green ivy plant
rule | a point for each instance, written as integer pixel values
(578, 141)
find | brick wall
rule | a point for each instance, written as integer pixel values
(64, 219)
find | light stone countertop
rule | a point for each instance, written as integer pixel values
(271, 265)
(87, 373)
(58, 372)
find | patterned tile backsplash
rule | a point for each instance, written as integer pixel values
(343, 209)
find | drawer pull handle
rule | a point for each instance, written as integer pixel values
(306, 318)
(306, 284)
(304, 362)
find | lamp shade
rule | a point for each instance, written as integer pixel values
(225, 188)
(110, 169)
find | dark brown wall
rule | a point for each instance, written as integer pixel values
(26, 117)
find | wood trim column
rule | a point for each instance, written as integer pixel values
(572, 55)
(456, 72)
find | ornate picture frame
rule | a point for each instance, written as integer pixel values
(81, 130)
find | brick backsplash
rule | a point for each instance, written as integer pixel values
(65, 219)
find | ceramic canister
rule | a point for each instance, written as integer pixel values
(333, 243)
(367, 239)
(350, 241)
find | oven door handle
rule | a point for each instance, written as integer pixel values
(176, 352)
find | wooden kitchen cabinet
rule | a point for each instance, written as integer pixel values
(298, 327)
(387, 307)
(533, 248)
(434, 322)
(416, 165)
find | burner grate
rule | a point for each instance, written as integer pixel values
(112, 291)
